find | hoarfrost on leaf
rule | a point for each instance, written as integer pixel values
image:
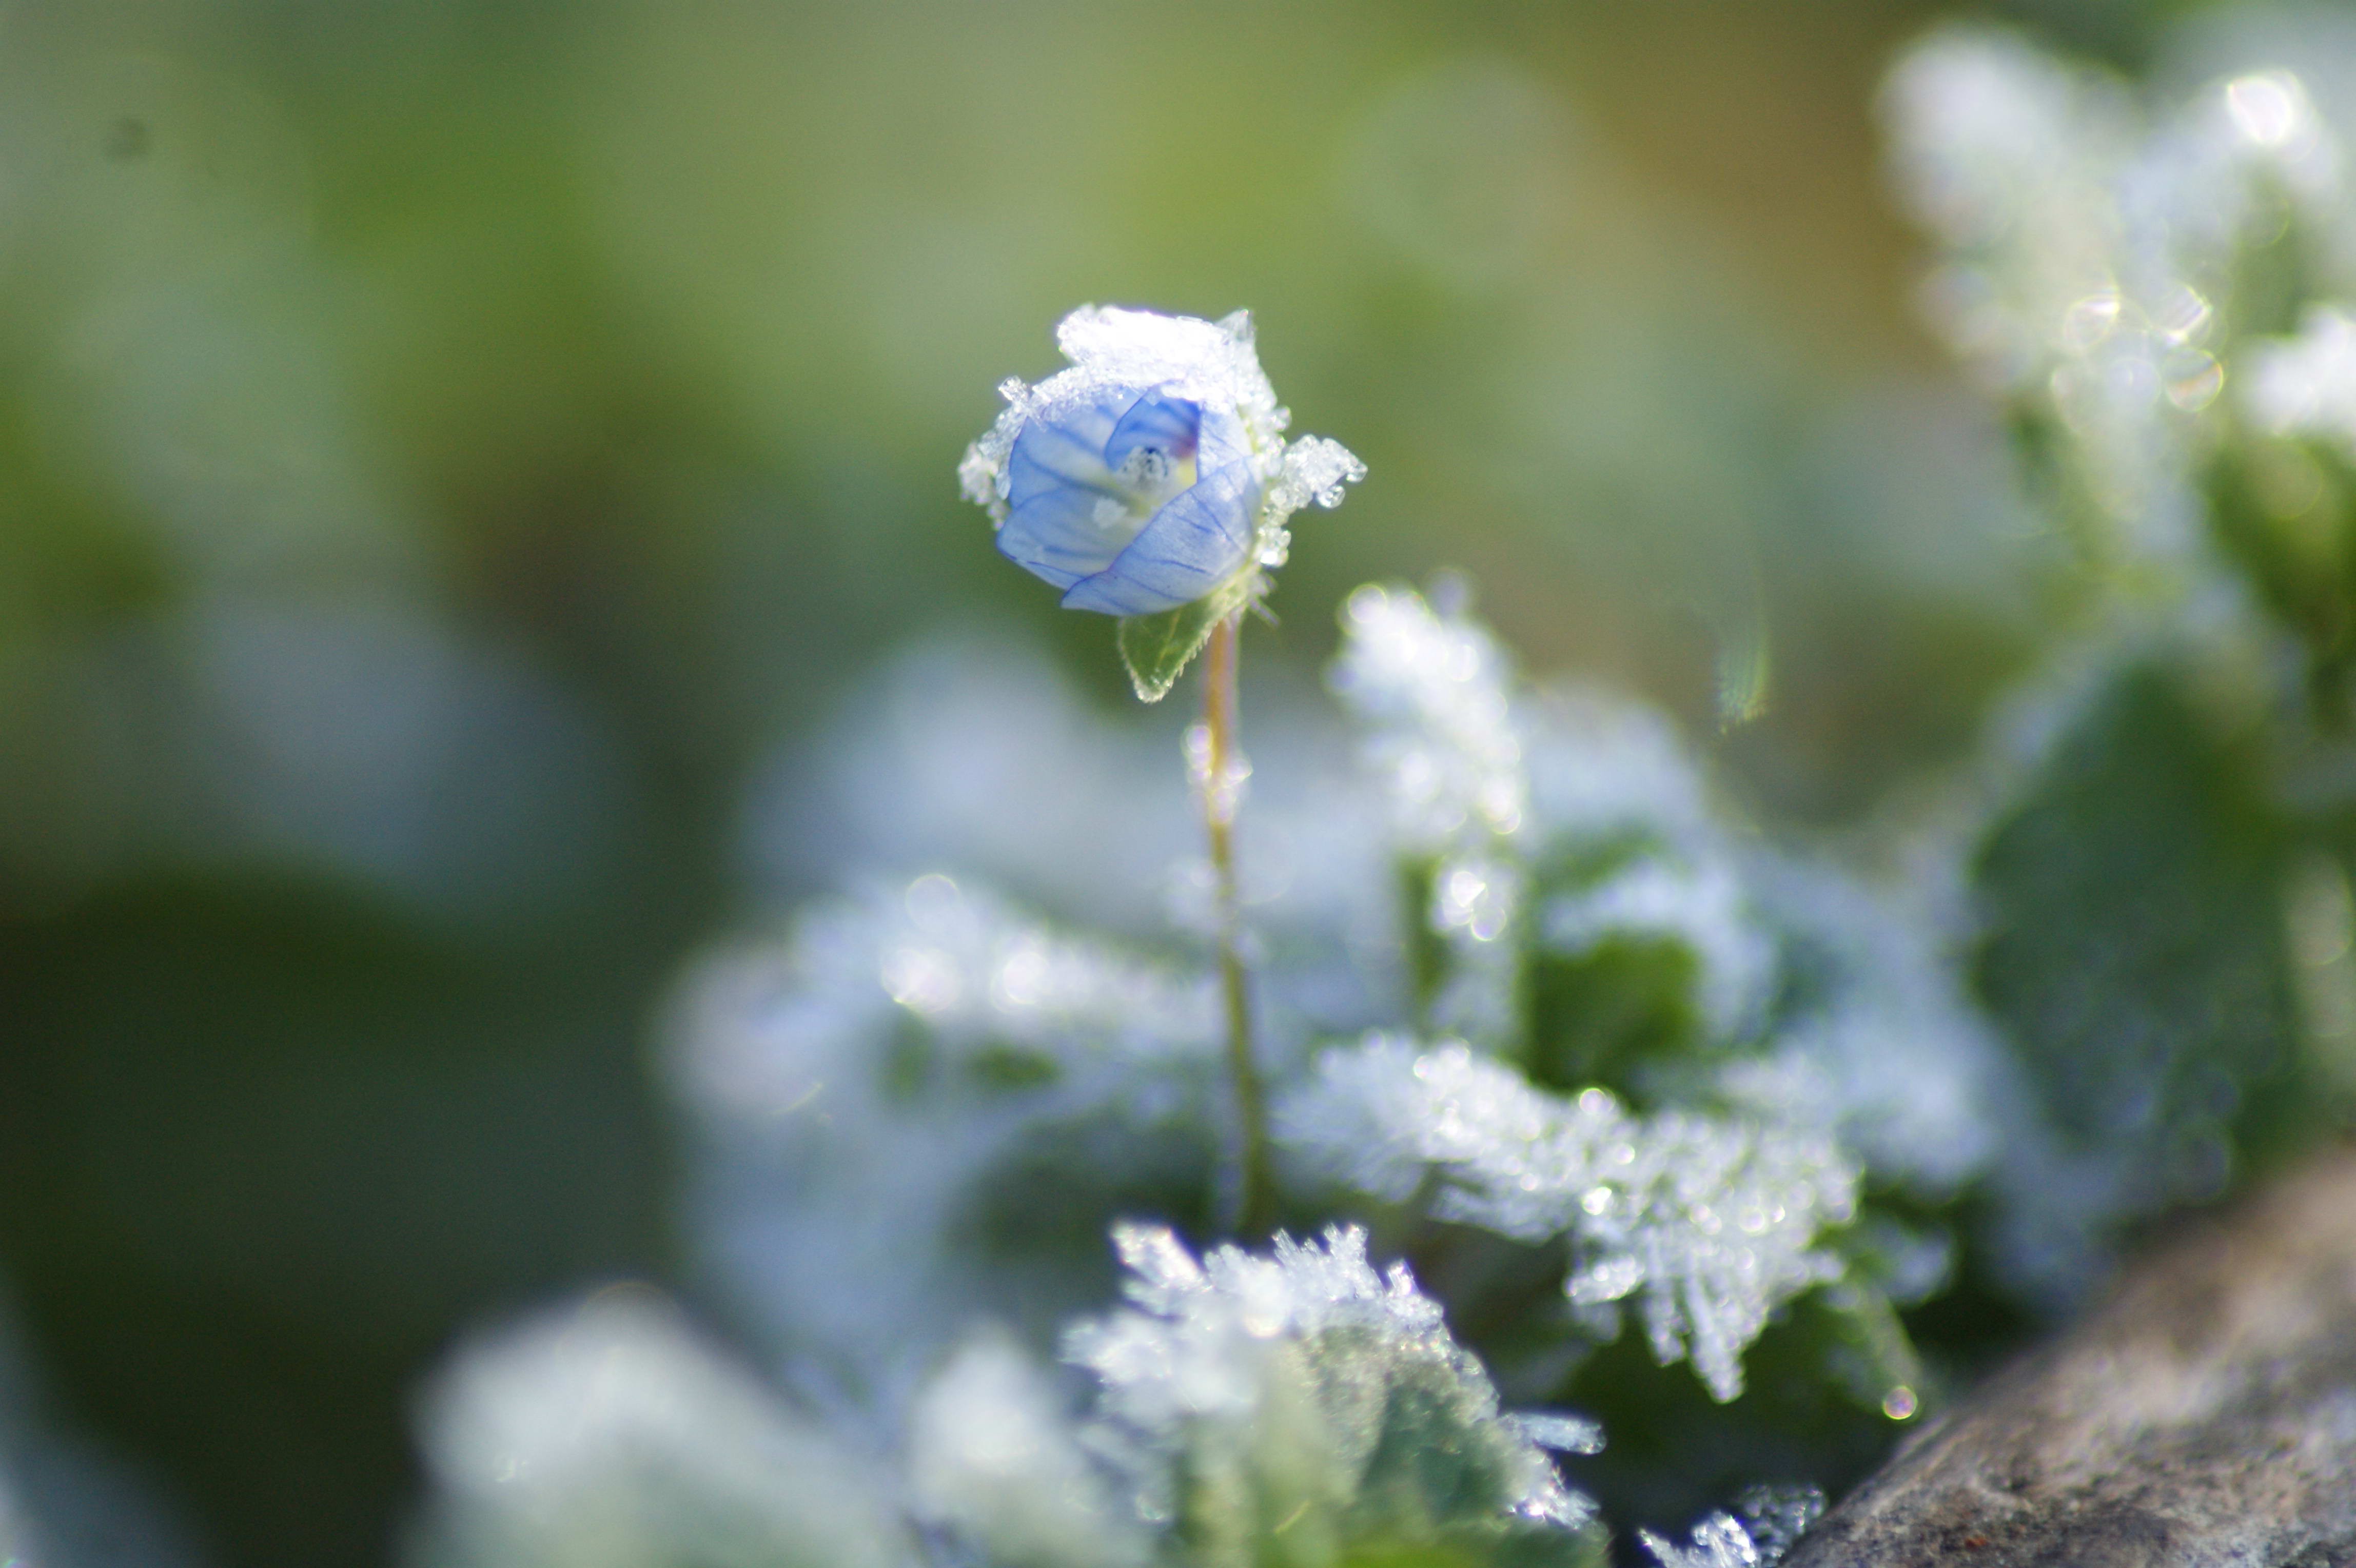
(608, 1436)
(993, 1455)
(1433, 692)
(854, 1083)
(1301, 1390)
(1708, 1223)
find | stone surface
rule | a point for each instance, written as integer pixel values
(2206, 1413)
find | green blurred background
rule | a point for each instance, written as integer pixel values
(447, 449)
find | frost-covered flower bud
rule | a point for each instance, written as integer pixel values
(1153, 472)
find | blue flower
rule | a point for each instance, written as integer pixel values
(1153, 472)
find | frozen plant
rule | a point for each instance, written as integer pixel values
(1151, 481)
(1152, 475)
(866, 1090)
(1431, 692)
(1607, 1079)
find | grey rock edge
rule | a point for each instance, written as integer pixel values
(2204, 1415)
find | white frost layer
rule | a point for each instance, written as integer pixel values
(1709, 1224)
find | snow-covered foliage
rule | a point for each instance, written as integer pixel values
(609, 1436)
(1296, 1400)
(2155, 282)
(1581, 917)
(2098, 253)
(856, 1083)
(1706, 1223)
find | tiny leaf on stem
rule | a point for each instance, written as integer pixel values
(1158, 647)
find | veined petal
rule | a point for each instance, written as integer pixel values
(1165, 425)
(1221, 440)
(1067, 514)
(1191, 545)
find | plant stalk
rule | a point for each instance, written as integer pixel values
(1221, 780)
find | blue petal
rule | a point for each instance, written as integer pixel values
(1191, 545)
(1169, 425)
(1055, 477)
(1222, 441)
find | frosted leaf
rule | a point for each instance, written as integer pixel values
(1433, 693)
(855, 1083)
(1878, 1043)
(1709, 1224)
(977, 751)
(992, 1453)
(1608, 774)
(1245, 1392)
(2084, 241)
(1702, 906)
(608, 1436)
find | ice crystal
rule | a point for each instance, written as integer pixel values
(608, 1436)
(1301, 1389)
(1718, 1541)
(1708, 1223)
(1771, 1519)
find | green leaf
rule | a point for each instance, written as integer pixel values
(1158, 647)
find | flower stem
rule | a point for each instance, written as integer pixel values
(1221, 775)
